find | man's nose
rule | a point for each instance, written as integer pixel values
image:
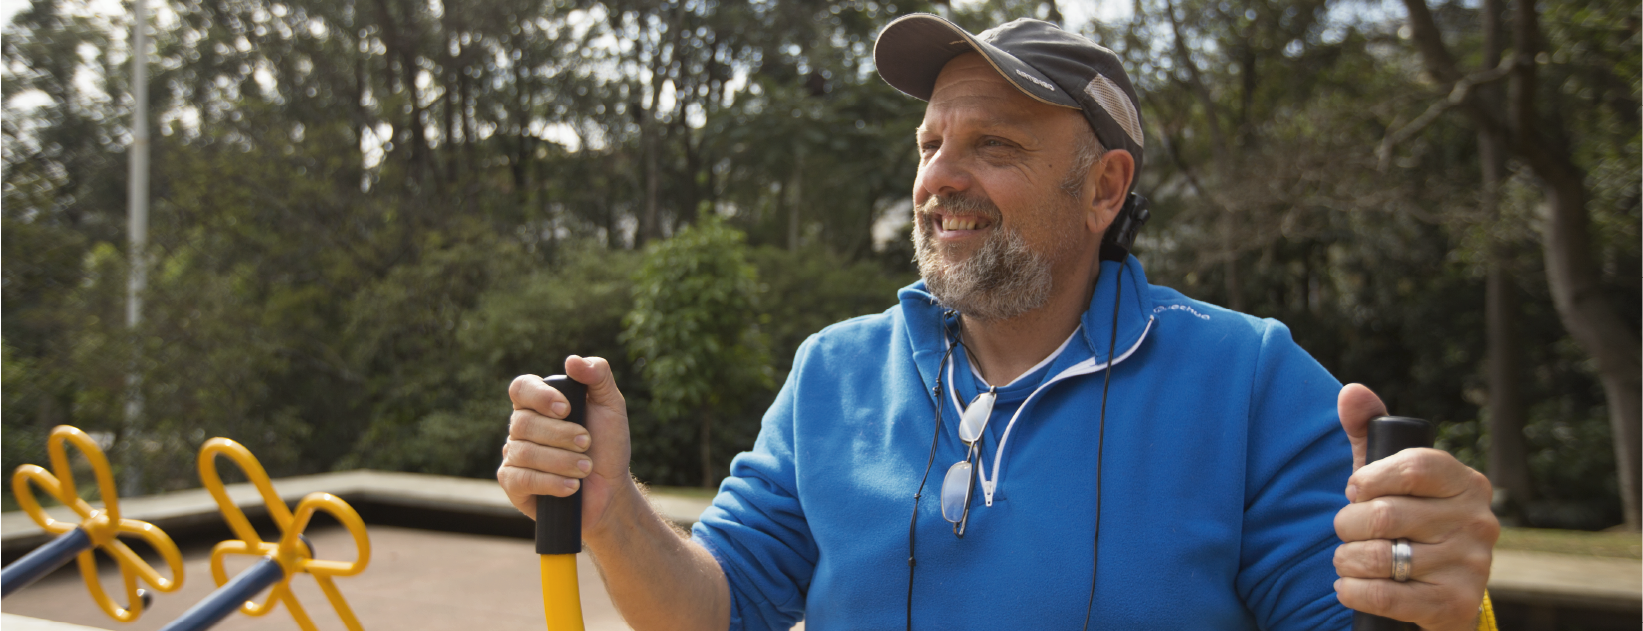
(944, 173)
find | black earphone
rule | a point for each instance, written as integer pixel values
(1120, 237)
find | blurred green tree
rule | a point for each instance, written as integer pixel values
(368, 217)
(695, 327)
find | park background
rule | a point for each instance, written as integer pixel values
(368, 216)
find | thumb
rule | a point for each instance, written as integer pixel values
(1357, 404)
(594, 372)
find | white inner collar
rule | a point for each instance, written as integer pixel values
(970, 359)
(988, 486)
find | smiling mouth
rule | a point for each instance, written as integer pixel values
(954, 223)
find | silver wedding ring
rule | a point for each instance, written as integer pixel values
(1402, 563)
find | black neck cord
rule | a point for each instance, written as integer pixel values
(1101, 440)
(912, 524)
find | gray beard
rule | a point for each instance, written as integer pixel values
(1003, 279)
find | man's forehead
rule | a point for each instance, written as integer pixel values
(971, 87)
(970, 72)
(976, 114)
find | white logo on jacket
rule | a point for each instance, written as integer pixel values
(1163, 308)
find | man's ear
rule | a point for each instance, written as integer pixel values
(1111, 176)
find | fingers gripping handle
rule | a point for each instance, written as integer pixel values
(1389, 435)
(559, 519)
(559, 532)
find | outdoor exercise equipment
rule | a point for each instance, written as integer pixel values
(559, 531)
(1389, 435)
(98, 528)
(281, 560)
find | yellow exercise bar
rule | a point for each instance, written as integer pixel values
(98, 528)
(281, 560)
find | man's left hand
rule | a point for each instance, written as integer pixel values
(1428, 497)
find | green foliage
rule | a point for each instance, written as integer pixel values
(368, 219)
(808, 289)
(695, 323)
(447, 412)
(1270, 198)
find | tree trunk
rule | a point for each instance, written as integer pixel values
(691, 202)
(1598, 329)
(708, 479)
(796, 190)
(447, 145)
(1235, 290)
(1221, 165)
(1508, 454)
(1576, 284)
(1571, 273)
(420, 167)
(650, 226)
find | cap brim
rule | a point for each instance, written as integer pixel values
(911, 51)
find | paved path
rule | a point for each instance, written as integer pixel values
(1566, 580)
(416, 580)
(182, 509)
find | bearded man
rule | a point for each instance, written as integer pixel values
(1109, 453)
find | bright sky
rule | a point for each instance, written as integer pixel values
(1080, 13)
(10, 8)
(1077, 12)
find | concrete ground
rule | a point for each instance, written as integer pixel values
(417, 579)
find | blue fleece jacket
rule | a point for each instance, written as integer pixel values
(1222, 469)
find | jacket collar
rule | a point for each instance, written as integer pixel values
(925, 320)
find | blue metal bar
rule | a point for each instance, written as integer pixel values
(43, 560)
(228, 598)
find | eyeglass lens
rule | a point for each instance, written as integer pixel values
(975, 417)
(955, 491)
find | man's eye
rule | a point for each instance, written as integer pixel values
(929, 146)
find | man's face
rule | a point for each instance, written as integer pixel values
(998, 218)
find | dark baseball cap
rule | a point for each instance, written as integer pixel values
(1038, 58)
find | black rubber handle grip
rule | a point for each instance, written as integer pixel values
(1389, 435)
(559, 519)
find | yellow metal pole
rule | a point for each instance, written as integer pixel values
(561, 597)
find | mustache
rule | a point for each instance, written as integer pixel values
(961, 204)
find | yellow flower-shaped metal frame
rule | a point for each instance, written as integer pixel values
(103, 526)
(291, 552)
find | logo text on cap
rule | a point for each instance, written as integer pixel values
(1041, 83)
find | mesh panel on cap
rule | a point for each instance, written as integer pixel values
(1112, 99)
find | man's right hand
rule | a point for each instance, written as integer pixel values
(657, 579)
(547, 455)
